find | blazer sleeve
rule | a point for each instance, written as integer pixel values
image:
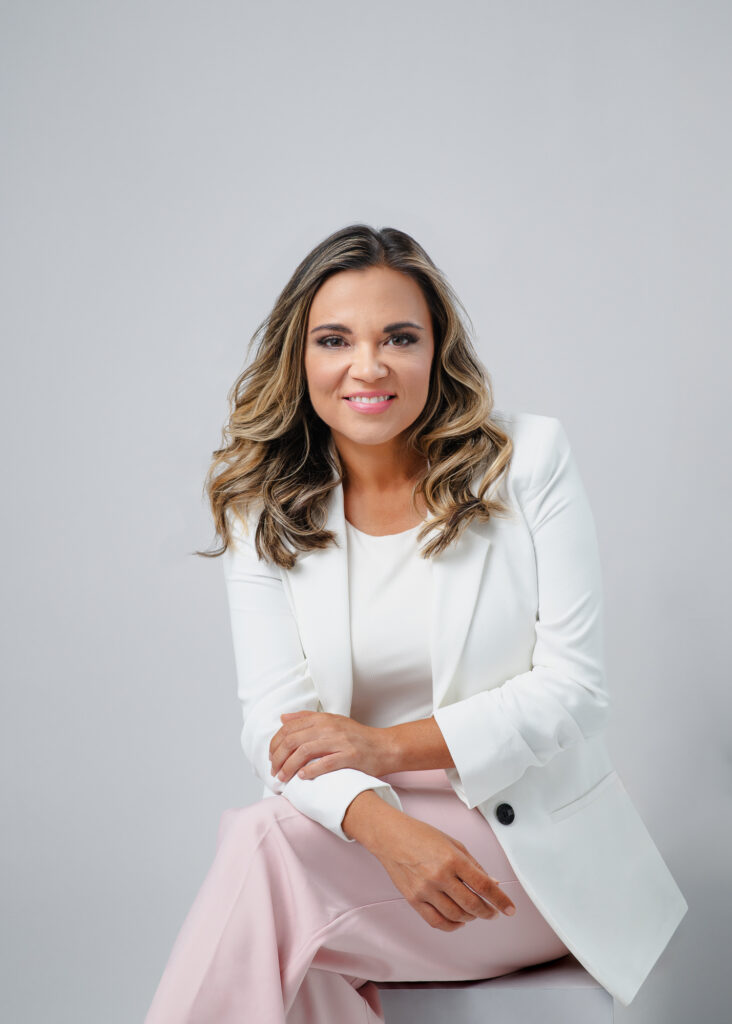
(495, 735)
(273, 677)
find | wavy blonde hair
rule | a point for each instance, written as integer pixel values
(277, 453)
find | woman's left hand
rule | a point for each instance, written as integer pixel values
(335, 740)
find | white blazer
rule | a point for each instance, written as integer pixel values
(520, 696)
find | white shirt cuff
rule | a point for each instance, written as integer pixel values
(326, 797)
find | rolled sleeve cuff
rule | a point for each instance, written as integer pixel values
(325, 798)
(487, 751)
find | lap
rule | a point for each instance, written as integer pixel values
(424, 795)
(360, 924)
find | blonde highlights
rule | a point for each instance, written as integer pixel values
(278, 456)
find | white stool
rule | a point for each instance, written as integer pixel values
(559, 992)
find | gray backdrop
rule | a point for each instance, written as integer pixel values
(165, 167)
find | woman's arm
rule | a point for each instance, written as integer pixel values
(312, 743)
(496, 734)
(273, 677)
(418, 745)
(436, 873)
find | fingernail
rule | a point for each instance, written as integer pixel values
(510, 911)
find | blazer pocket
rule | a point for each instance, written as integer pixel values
(559, 813)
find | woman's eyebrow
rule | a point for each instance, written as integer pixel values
(347, 330)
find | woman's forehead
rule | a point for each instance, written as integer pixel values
(367, 296)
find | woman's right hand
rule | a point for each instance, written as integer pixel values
(434, 872)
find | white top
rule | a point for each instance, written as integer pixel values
(390, 593)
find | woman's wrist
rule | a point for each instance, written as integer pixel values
(366, 816)
(416, 746)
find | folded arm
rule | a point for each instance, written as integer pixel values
(273, 677)
(495, 735)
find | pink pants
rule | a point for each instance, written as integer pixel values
(292, 924)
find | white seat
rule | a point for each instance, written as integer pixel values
(558, 992)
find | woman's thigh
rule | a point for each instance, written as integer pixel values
(357, 922)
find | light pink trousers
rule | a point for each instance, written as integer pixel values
(292, 925)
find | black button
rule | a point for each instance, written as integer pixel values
(504, 813)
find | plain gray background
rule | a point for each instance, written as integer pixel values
(165, 167)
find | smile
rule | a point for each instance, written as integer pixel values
(370, 404)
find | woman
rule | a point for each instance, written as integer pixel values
(427, 719)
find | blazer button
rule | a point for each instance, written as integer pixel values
(504, 813)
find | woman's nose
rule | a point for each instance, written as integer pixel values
(367, 363)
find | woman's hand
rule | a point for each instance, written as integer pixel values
(335, 740)
(432, 870)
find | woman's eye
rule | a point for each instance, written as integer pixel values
(410, 339)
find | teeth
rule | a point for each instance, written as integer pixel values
(383, 398)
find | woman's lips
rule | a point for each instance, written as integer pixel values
(369, 407)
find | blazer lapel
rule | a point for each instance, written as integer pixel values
(319, 587)
(457, 573)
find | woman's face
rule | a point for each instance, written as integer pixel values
(369, 330)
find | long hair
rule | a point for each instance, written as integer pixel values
(278, 456)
